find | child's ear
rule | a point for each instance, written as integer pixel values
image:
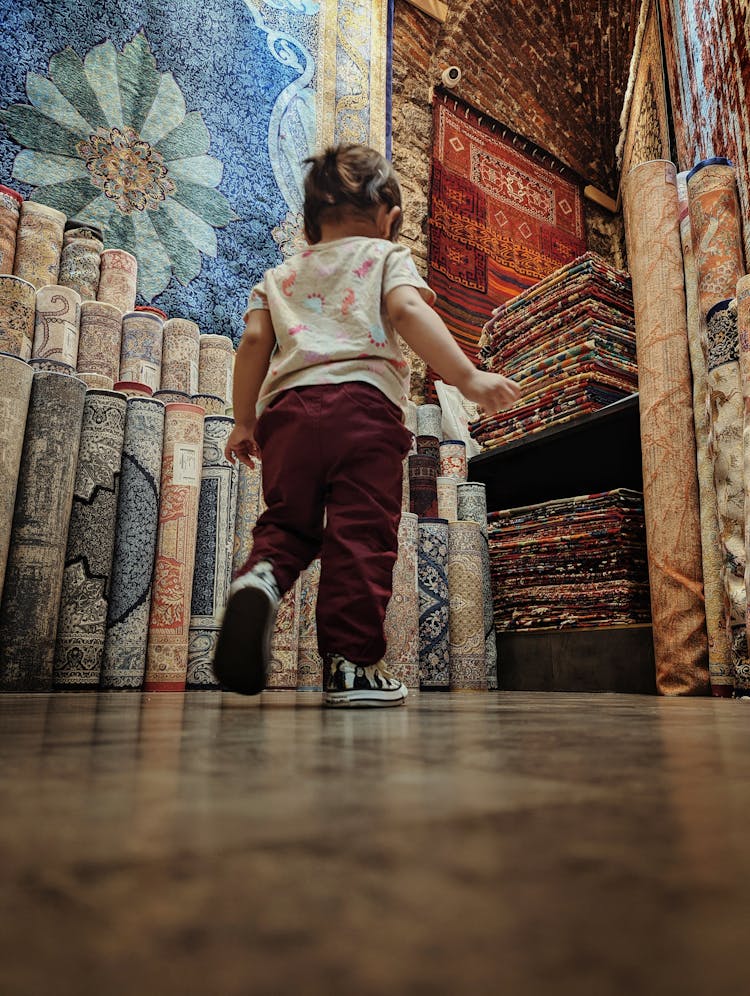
(391, 223)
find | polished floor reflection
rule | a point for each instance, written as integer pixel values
(508, 843)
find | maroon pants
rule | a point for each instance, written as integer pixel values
(336, 450)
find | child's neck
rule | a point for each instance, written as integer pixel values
(350, 228)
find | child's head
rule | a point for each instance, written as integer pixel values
(348, 181)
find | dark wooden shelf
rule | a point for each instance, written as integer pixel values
(593, 453)
(596, 452)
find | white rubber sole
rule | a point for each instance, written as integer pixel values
(361, 699)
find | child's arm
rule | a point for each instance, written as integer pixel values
(428, 336)
(250, 368)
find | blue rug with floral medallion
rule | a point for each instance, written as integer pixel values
(179, 127)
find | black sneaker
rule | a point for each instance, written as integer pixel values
(243, 650)
(352, 685)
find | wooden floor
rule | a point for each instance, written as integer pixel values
(512, 843)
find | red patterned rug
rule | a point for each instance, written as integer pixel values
(503, 215)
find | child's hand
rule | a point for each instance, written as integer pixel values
(241, 444)
(491, 392)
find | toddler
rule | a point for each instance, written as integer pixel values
(320, 386)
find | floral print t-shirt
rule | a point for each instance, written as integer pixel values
(327, 306)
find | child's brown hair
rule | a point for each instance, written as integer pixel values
(348, 178)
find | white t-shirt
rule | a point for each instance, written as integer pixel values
(327, 306)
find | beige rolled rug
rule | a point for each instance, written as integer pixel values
(99, 341)
(468, 670)
(309, 661)
(743, 334)
(719, 655)
(283, 666)
(402, 614)
(249, 487)
(180, 356)
(118, 277)
(215, 366)
(57, 324)
(169, 621)
(10, 212)
(15, 388)
(39, 240)
(670, 477)
(727, 410)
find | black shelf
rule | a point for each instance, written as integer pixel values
(593, 453)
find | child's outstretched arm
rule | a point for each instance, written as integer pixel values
(428, 336)
(250, 368)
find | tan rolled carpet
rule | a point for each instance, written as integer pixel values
(670, 477)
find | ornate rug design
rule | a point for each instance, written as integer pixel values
(645, 133)
(91, 539)
(309, 661)
(169, 621)
(213, 551)
(503, 214)
(468, 670)
(15, 388)
(670, 475)
(402, 614)
(135, 546)
(36, 560)
(202, 216)
(434, 659)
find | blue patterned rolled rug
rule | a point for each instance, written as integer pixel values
(434, 655)
(213, 551)
(82, 621)
(124, 658)
(15, 387)
(471, 504)
(36, 559)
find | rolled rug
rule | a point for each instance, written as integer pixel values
(79, 266)
(715, 224)
(423, 485)
(10, 212)
(453, 459)
(447, 497)
(727, 408)
(215, 365)
(141, 348)
(81, 625)
(410, 417)
(51, 366)
(38, 244)
(249, 489)
(472, 506)
(429, 421)
(180, 356)
(15, 389)
(434, 647)
(429, 446)
(176, 397)
(118, 277)
(283, 667)
(309, 661)
(96, 381)
(210, 403)
(719, 652)
(124, 659)
(468, 670)
(36, 558)
(17, 312)
(169, 621)
(57, 324)
(100, 338)
(402, 614)
(132, 389)
(670, 477)
(213, 551)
